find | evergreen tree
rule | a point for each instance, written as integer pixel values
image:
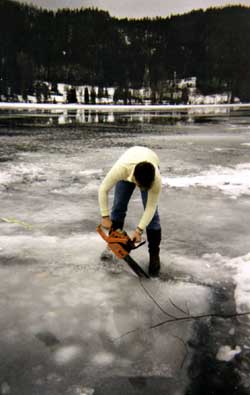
(106, 95)
(71, 96)
(93, 95)
(86, 95)
(100, 93)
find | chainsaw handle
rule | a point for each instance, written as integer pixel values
(101, 232)
(139, 245)
(111, 240)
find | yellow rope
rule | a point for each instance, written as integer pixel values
(16, 221)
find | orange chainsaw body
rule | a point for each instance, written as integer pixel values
(118, 241)
(120, 244)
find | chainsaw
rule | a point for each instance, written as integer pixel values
(121, 244)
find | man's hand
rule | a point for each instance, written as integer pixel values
(136, 236)
(106, 222)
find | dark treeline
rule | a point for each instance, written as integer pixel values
(87, 46)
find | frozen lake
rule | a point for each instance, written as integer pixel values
(69, 325)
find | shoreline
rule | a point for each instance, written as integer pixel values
(119, 107)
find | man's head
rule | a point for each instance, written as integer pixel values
(144, 175)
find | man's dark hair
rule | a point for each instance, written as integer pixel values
(144, 174)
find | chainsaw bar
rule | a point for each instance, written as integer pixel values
(135, 267)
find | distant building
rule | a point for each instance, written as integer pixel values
(189, 83)
(219, 98)
(63, 89)
(31, 99)
(57, 98)
(174, 91)
(19, 98)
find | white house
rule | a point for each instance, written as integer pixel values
(186, 83)
(218, 98)
(31, 99)
(54, 98)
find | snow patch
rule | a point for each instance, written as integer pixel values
(78, 390)
(62, 176)
(242, 279)
(103, 358)
(232, 332)
(226, 353)
(90, 172)
(91, 186)
(66, 354)
(5, 388)
(231, 181)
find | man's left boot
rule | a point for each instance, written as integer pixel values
(154, 240)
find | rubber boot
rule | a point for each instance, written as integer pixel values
(154, 240)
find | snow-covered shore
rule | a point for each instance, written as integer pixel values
(118, 107)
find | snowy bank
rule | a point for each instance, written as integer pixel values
(118, 107)
(234, 182)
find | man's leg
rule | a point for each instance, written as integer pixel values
(123, 193)
(154, 239)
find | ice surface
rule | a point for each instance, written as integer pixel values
(52, 280)
(67, 354)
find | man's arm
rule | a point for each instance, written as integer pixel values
(116, 174)
(149, 210)
(151, 205)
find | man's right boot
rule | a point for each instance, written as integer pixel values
(154, 265)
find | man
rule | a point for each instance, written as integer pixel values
(138, 166)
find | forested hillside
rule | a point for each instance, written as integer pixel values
(88, 46)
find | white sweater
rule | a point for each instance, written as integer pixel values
(123, 169)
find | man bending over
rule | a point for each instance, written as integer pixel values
(138, 166)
